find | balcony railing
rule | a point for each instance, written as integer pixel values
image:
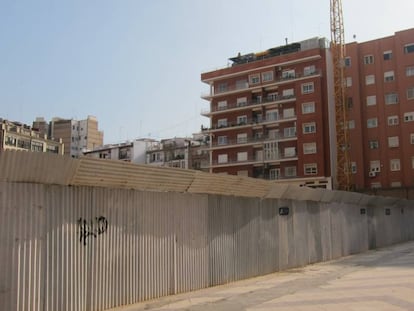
(249, 122)
(277, 80)
(250, 103)
(252, 140)
(256, 159)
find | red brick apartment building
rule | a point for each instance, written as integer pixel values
(269, 114)
(380, 91)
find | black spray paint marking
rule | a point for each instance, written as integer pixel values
(94, 227)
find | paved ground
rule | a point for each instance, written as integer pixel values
(376, 280)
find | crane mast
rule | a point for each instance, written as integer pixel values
(343, 167)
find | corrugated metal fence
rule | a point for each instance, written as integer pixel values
(78, 247)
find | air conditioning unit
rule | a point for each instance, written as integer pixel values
(372, 174)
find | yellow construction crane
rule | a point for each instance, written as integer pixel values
(343, 164)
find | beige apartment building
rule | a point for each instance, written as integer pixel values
(78, 136)
(18, 136)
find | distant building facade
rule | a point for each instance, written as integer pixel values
(77, 135)
(18, 136)
(186, 153)
(135, 151)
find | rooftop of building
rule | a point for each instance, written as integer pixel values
(267, 56)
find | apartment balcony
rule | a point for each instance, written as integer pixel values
(232, 89)
(279, 99)
(255, 141)
(257, 160)
(249, 123)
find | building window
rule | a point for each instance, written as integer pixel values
(241, 102)
(258, 155)
(288, 93)
(222, 158)
(369, 79)
(412, 162)
(371, 100)
(393, 142)
(271, 151)
(391, 98)
(254, 79)
(368, 59)
(222, 105)
(241, 156)
(11, 141)
(409, 71)
(289, 132)
(395, 165)
(241, 84)
(410, 93)
(393, 120)
(273, 134)
(37, 146)
(409, 48)
(373, 144)
(274, 173)
(389, 76)
(371, 123)
(309, 70)
(309, 127)
(222, 140)
(288, 113)
(412, 138)
(290, 171)
(387, 55)
(290, 152)
(309, 148)
(353, 167)
(308, 108)
(242, 138)
(347, 61)
(222, 87)
(351, 124)
(272, 115)
(241, 120)
(409, 116)
(375, 166)
(349, 102)
(272, 97)
(267, 76)
(222, 123)
(310, 169)
(307, 88)
(348, 81)
(288, 74)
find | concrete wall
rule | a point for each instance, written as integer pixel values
(93, 248)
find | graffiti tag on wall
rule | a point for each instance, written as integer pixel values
(91, 228)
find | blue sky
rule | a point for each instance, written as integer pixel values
(136, 65)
